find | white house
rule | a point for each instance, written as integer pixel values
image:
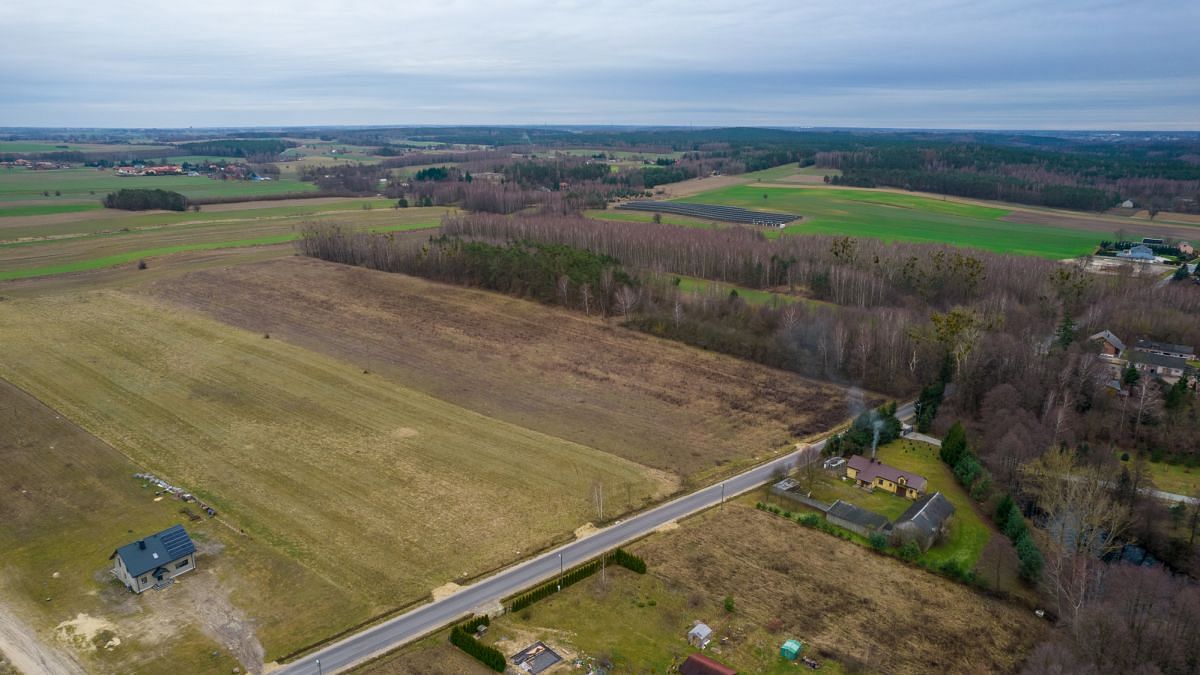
(155, 560)
(1127, 204)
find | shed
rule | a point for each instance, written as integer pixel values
(855, 518)
(699, 664)
(699, 635)
(791, 650)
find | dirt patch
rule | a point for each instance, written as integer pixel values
(428, 658)
(839, 596)
(696, 186)
(445, 590)
(585, 530)
(659, 403)
(668, 527)
(88, 633)
(199, 598)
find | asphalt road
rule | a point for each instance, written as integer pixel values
(428, 618)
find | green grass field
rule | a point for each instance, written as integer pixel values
(901, 217)
(47, 209)
(84, 183)
(54, 146)
(129, 239)
(1175, 478)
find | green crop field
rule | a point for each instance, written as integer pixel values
(83, 183)
(56, 146)
(47, 209)
(902, 217)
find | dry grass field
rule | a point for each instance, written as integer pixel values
(68, 500)
(382, 491)
(655, 402)
(854, 609)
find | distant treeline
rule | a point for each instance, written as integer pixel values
(140, 199)
(249, 148)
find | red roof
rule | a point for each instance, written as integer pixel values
(699, 664)
(869, 469)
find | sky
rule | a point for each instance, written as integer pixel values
(985, 64)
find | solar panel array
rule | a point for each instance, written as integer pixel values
(176, 541)
(729, 214)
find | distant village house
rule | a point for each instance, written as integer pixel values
(925, 522)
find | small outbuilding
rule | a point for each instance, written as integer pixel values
(699, 636)
(855, 518)
(155, 560)
(699, 664)
(791, 650)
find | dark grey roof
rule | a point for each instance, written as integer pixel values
(156, 550)
(928, 513)
(1164, 347)
(857, 515)
(1160, 360)
(1107, 336)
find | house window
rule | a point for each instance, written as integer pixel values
(143, 580)
(182, 564)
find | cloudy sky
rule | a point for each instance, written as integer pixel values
(1047, 64)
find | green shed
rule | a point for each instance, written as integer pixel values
(791, 650)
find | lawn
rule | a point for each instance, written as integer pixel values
(850, 607)
(969, 533)
(749, 295)
(85, 183)
(305, 453)
(893, 216)
(1176, 478)
(830, 488)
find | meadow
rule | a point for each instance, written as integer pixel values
(85, 184)
(893, 216)
(855, 612)
(118, 237)
(307, 454)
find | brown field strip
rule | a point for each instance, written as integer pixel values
(656, 402)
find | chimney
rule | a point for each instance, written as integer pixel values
(142, 544)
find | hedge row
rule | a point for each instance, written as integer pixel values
(488, 656)
(910, 552)
(957, 453)
(620, 557)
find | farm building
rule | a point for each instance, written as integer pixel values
(1127, 204)
(855, 518)
(155, 561)
(1110, 345)
(699, 664)
(924, 522)
(1153, 241)
(1165, 349)
(1185, 248)
(699, 636)
(1167, 368)
(870, 473)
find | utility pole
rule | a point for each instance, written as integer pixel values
(319, 671)
(722, 496)
(560, 571)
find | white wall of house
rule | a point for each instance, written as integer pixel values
(147, 580)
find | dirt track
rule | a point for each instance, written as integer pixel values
(30, 655)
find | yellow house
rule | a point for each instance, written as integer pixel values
(867, 472)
